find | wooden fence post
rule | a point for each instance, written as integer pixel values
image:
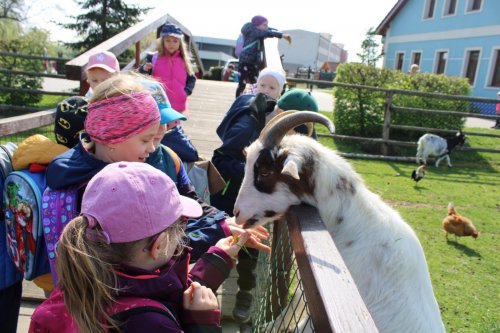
(137, 54)
(387, 122)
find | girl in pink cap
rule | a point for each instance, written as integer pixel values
(127, 243)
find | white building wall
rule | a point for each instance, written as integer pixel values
(308, 49)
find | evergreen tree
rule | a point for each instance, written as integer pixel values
(370, 54)
(102, 20)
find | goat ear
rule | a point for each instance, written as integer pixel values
(290, 168)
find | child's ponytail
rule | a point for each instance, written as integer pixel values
(85, 266)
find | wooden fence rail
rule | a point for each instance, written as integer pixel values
(325, 276)
(390, 109)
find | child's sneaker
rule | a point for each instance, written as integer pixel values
(242, 307)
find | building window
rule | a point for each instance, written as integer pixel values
(430, 5)
(474, 5)
(441, 62)
(472, 62)
(450, 7)
(415, 58)
(399, 61)
(495, 80)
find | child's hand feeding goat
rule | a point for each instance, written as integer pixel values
(433, 145)
(381, 251)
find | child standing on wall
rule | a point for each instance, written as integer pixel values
(98, 263)
(250, 58)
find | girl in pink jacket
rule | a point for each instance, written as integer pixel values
(172, 67)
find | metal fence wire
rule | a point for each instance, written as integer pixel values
(280, 304)
(18, 137)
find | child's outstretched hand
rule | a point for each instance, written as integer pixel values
(148, 66)
(233, 244)
(199, 298)
(288, 38)
(257, 235)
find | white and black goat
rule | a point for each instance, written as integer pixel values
(380, 249)
(434, 145)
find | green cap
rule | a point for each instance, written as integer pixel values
(298, 99)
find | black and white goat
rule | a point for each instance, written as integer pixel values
(433, 145)
(380, 249)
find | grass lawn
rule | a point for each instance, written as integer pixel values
(51, 101)
(464, 272)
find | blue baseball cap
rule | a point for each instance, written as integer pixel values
(167, 114)
(170, 29)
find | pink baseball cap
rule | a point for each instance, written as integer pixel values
(133, 201)
(105, 60)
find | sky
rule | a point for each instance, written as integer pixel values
(346, 20)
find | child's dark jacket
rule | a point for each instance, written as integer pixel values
(240, 127)
(251, 55)
(167, 286)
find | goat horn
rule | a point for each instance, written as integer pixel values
(278, 127)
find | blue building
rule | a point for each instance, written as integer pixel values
(452, 37)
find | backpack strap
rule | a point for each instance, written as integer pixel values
(126, 307)
(246, 47)
(175, 158)
(155, 57)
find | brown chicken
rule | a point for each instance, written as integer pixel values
(457, 224)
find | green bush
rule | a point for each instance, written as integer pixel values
(31, 42)
(360, 111)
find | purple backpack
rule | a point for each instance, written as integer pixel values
(58, 208)
(240, 45)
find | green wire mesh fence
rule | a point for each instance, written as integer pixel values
(281, 305)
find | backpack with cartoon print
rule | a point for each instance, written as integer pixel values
(9, 273)
(22, 200)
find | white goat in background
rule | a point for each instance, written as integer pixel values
(381, 250)
(434, 145)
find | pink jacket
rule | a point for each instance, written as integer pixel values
(171, 71)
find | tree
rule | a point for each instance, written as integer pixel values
(103, 19)
(12, 10)
(370, 54)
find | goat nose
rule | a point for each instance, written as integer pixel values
(236, 212)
